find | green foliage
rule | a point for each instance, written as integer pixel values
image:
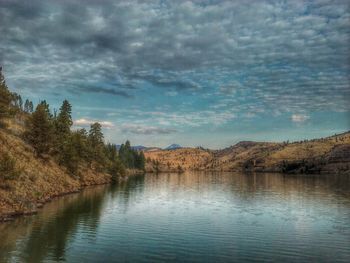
(130, 157)
(5, 99)
(8, 170)
(40, 129)
(51, 134)
(17, 101)
(63, 144)
(96, 144)
(28, 106)
(69, 156)
(79, 139)
(64, 120)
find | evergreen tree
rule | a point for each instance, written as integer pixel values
(62, 122)
(64, 119)
(68, 156)
(28, 106)
(131, 158)
(5, 98)
(115, 166)
(39, 131)
(140, 161)
(96, 143)
(80, 142)
(31, 107)
(17, 101)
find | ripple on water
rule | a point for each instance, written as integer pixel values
(190, 218)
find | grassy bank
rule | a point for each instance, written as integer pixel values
(39, 180)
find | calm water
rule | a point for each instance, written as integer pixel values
(194, 217)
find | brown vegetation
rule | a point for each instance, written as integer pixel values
(37, 180)
(326, 155)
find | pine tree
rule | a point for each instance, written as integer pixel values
(141, 161)
(96, 143)
(69, 156)
(64, 119)
(40, 129)
(17, 101)
(5, 98)
(62, 123)
(26, 106)
(80, 143)
(31, 107)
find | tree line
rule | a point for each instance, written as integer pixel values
(51, 134)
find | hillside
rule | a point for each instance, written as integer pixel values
(177, 159)
(39, 180)
(325, 155)
(27, 180)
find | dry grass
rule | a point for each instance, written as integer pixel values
(173, 160)
(40, 179)
(250, 155)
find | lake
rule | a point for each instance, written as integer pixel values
(190, 217)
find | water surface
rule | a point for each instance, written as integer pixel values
(192, 217)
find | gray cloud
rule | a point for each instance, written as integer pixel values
(284, 55)
(146, 130)
(98, 89)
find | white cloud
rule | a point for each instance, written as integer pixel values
(299, 118)
(87, 122)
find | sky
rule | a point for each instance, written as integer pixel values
(197, 73)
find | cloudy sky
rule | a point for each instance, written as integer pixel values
(206, 73)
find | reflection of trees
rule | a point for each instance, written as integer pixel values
(125, 191)
(48, 233)
(247, 186)
(52, 235)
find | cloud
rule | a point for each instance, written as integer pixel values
(293, 55)
(96, 89)
(87, 122)
(171, 93)
(146, 130)
(299, 118)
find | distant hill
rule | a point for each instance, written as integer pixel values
(136, 147)
(324, 155)
(173, 147)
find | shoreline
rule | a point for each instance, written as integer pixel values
(35, 206)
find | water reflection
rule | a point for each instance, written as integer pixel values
(190, 217)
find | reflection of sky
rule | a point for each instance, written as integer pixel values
(161, 72)
(194, 217)
(219, 217)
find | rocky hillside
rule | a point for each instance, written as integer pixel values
(326, 155)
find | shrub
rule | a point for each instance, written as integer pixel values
(8, 170)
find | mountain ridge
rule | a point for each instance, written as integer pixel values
(330, 154)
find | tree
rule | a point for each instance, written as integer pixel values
(80, 143)
(40, 130)
(62, 124)
(17, 101)
(26, 106)
(137, 159)
(96, 135)
(96, 143)
(130, 157)
(68, 156)
(140, 161)
(5, 98)
(115, 166)
(126, 155)
(64, 119)
(31, 107)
